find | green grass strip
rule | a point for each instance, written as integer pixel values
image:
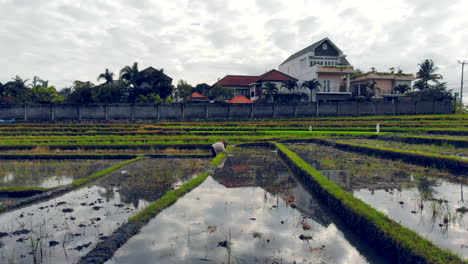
(20, 189)
(171, 197)
(76, 183)
(104, 172)
(403, 237)
(409, 152)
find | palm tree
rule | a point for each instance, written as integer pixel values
(131, 74)
(370, 89)
(289, 84)
(402, 88)
(311, 85)
(270, 89)
(107, 75)
(427, 73)
(17, 89)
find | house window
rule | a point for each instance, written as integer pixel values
(244, 92)
(326, 86)
(324, 46)
(302, 64)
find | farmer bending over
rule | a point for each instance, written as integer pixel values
(218, 147)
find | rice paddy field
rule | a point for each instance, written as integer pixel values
(324, 190)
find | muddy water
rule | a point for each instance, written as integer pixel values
(250, 211)
(48, 173)
(63, 229)
(427, 201)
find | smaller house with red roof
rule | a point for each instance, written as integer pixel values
(198, 97)
(253, 86)
(240, 99)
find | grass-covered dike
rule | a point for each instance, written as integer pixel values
(390, 238)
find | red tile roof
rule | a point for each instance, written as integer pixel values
(274, 75)
(237, 80)
(198, 95)
(240, 99)
(247, 80)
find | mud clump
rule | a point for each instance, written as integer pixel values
(81, 247)
(67, 210)
(53, 243)
(21, 232)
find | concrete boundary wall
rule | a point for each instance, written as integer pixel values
(219, 111)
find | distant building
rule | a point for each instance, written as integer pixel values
(252, 86)
(386, 81)
(240, 99)
(326, 63)
(152, 78)
(198, 97)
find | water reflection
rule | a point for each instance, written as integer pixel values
(67, 227)
(243, 214)
(417, 197)
(48, 173)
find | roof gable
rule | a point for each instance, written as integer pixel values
(198, 96)
(240, 99)
(150, 71)
(236, 80)
(311, 48)
(274, 75)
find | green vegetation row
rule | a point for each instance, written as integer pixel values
(452, 163)
(388, 236)
(459, 142)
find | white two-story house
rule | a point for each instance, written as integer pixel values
(325, 62)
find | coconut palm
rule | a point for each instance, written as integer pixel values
(311, 85)
(18, 90)
(427, 73)
(107, 75)
(371, 89)
(402, 88)
(270, 89)
(131, 74)
(289, 84)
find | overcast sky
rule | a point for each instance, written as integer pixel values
(201, 41)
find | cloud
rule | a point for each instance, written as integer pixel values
(199, 41)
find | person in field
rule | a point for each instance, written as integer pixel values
(218, 147)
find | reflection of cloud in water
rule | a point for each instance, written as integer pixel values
(179, 234)
(451, 237)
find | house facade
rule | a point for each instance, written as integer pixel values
(385, 81)
(326, 63)
(252, 87)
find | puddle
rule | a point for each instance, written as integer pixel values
(63, 229)
(249, 211)
(48, 173)
(427, 201)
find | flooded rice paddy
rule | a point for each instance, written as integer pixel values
(250, 211)
(431, 202)
(62, 229)
(48, 173)
(446, 149)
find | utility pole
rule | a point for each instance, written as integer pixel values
(461, 86)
